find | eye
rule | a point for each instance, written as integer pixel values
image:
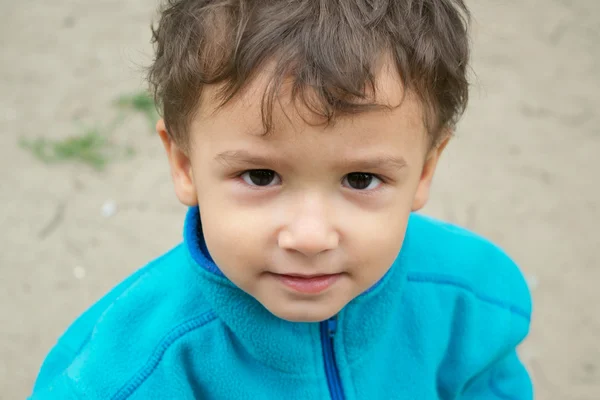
(261, 177)
(361, 181)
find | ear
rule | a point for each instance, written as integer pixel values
(423, 189)
(181, 168)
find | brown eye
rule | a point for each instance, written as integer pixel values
(361, 181)
(260, 177)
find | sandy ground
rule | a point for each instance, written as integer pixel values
(522, 171)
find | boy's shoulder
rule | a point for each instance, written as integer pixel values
(465, 305)
(448, 255)
(158, 303)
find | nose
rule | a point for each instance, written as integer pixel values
(310, 232)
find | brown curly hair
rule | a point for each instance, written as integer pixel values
(330, 47)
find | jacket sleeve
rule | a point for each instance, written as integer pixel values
(59, 388)
(506, 379)
(52, 381)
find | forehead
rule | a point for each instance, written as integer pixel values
(399, 119)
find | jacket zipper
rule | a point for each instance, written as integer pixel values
(328, 330)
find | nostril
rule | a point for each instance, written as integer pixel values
(308, 243)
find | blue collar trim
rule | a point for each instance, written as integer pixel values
(194, 239)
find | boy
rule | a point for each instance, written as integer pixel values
(303, 135)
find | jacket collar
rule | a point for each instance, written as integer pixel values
(291, 347)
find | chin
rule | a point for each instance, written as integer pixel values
(304, 313)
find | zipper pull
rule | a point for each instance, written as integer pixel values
(332, 326)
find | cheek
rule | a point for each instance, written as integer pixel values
(227, 230)
(234, 239)
(377, 243)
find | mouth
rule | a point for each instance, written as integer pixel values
(308, 284)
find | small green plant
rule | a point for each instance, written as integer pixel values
(142, 103)
(92, 146)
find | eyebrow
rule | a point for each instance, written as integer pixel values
(378, 162)
(245, 157)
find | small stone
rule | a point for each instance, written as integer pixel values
(79, 272)
(109, 209)
(533, 282)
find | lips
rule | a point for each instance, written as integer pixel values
(303, 276)
(308, 284)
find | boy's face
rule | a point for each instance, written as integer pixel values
(308, 217)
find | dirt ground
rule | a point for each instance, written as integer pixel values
(522, 171)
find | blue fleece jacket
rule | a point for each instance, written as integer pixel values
(442, 324)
